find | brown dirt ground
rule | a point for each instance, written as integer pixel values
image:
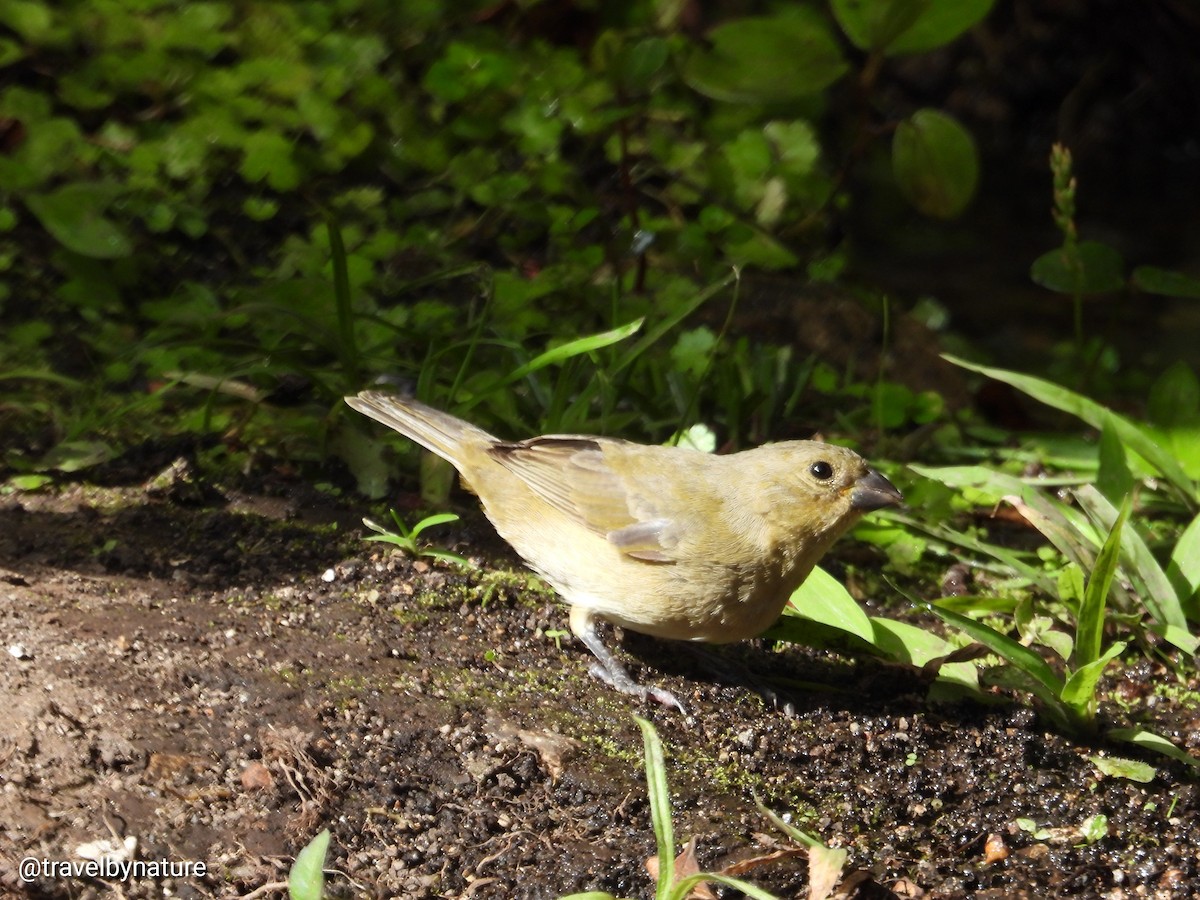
(221, 674)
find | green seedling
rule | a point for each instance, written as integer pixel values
(667, 885)
(406, 538)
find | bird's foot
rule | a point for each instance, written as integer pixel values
(621, 680)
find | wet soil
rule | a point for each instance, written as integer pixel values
(215, 677)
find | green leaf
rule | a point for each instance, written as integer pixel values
(906, 643)
(1090, 629)
(635, 67)
(1175, 397)
(746, 57)
(10, 52)
(936, 163)
(1129, 769)
(1113, 479)
(559, 354)
(1184, 567)
(1087, 268)
(1155, 588)
(74, 215)
(1028, 661)
(660, 802)
(875, 24)
(822, 598)
(693, 349)
(267, 155)
(1079, 692)
(31, 20)
(1140, 737)
(940, 23)
(684, 887)
(1095, 415)
(364, 456)
(306, 880)
(75, 456)
(1165, 282)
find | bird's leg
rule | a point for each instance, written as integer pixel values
(608, 669)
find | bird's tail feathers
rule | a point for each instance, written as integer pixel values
(436, 431)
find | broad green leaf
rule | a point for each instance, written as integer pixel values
(1151, 741)
(942, 22)
(1166, 282)
(75, 215)
(907, 643)
(1095, 415)
(306, 880)
(29, 482)
(32, 20)
(1079, 692)
(1088, 268)
(747, 58)
(936, 163)
(875, 24)
(635, 67)
(822, 598)
(1090, 629)
(1175, 397)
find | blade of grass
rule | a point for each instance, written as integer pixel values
(558, 354)
(1183, 570)
(1096, 415)
(1141, 737)
(1089, 630)
(1158, 593)
(1003, 646)
(660, 807)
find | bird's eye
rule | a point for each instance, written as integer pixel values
(821, 470)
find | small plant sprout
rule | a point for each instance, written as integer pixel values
(406, 538)
(556, 635)
(679, 877)
(306, 880)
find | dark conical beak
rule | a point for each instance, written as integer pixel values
(873, 491)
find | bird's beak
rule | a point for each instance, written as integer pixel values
(873, 491)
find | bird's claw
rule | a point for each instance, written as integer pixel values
(626, 685)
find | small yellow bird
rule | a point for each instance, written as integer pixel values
(666, 541)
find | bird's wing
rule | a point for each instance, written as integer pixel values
(571, 474)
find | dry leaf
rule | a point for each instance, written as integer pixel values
(550, 746)
(685, 866)
(825, 866)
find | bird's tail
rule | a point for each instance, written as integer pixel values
(436, 431)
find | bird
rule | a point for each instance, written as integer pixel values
(666, 541)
